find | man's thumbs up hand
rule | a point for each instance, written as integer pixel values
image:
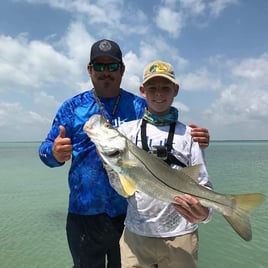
(62, 147)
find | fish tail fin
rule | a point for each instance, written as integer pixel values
(239, 218)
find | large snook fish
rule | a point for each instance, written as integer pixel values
(138, 169)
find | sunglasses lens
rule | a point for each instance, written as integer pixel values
(112, 67)
(100, 67)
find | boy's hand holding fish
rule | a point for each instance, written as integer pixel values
(191, 209)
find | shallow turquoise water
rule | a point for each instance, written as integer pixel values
(34, 201)
(236, 167)
(33, 208)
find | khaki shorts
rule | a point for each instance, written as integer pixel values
(148, 252)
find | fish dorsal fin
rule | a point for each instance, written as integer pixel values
(192, 171)
(128, 186)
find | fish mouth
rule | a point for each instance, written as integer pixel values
(114, 153)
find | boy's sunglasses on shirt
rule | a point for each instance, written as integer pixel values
(100, 67)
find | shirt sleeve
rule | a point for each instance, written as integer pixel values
(45, 150)
(46, 155)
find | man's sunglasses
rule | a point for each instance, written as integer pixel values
(100, 67)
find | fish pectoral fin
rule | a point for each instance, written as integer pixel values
(191, 171)
(127, 163)
(128, 186)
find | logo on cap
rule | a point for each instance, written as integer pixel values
(160, 68)
(105, 46)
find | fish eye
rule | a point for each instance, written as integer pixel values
(107, 125)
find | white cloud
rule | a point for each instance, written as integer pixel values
(196, 7)
(200, 80)
(33, 63)
(169, 20)
(217, 6)
(18, 124)
(47, 103)
(113, 15)
(78, 42)
(117, 16)
(131, 79)
(181, 106)
(174, 15)
(254, 70)
(246, 99)
(241, 110)
(95, 11)
(136, 62)
(237, 105)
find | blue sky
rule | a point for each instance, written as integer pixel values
(219, 49)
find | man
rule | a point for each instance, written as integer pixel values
(96, 212)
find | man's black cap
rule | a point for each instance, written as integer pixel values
(106, 48)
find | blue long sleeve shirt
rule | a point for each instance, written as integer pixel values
(90, 191)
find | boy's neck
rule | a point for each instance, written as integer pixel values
(161, 120)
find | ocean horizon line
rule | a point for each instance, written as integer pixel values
(214, 140)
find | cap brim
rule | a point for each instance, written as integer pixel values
(160, 75)
(105, 55)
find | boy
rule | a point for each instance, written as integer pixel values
(159, 234)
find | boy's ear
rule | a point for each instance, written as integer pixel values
(177, 89)
(142, 91)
